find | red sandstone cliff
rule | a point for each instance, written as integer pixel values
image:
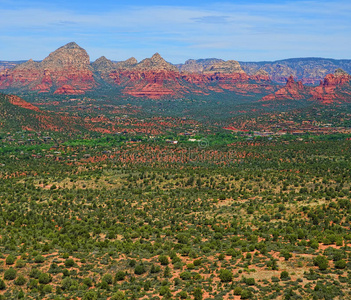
(291, 91)
(66, 70)
(154, 78)
(335, 88)
(15, 100)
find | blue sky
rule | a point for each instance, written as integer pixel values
(178, 30)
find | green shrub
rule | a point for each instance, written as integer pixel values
(190, 266)
(314, 244)
(34, 273)
(147, 285)
(120, 276)
(69, 263)
(107, 278)
(284, 275)
(33, 284)
(250, 281)
(197, 262)
(185, 275)
(164, 290)
(155, 269)
(21, 280)
(286, 254)
(47, 289)
(10, 260)
(10, 274)
(139, 269)
(237, 290)
(183, 295)
(118, 296)
(2, 285)
(20, 264)
(163, 259)
(88, 282)
(197, 293)
(321, 262)
(44, 278)
(90, 295)
(246, 294)
(225, 275)
(39, 259)
(340, 264)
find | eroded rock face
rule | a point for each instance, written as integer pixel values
(308, 70)
(68, 71)
(148, 83)
(15, 100)
(197, 66)
(155, 78)
(225, 67)
(103, 65)
(67, 89)
(335, 88)
(156, 62)
(291, 91)
(68, 65)
(330, 89)
(8, 64)
(260, 75)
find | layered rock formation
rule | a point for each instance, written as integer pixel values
(65, 71)
(291, 91)
(152, 77)
(260, 75)
(9, 64)
(68, 71)
(155, 78)
(335, 88)
(308, 70)
(224, 67)
(197, 66)
(15, 100)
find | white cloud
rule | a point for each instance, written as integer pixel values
(229, 31)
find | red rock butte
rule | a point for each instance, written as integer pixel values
(67, 68)
(68, 71)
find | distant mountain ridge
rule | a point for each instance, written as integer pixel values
(68, 70)
(335, 88)
(308, 70)
(4, 64)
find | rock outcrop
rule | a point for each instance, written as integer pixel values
(260, 75)
(15, 100)
(67, 66)
(9, 64)
(103, 65)
(152, 77)
(68, 71)
(291, 91)
(224, 67)
(308, 70)
(155, 78)
(332, 88)
(155, 63)
(197, 66)
(335, 88)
